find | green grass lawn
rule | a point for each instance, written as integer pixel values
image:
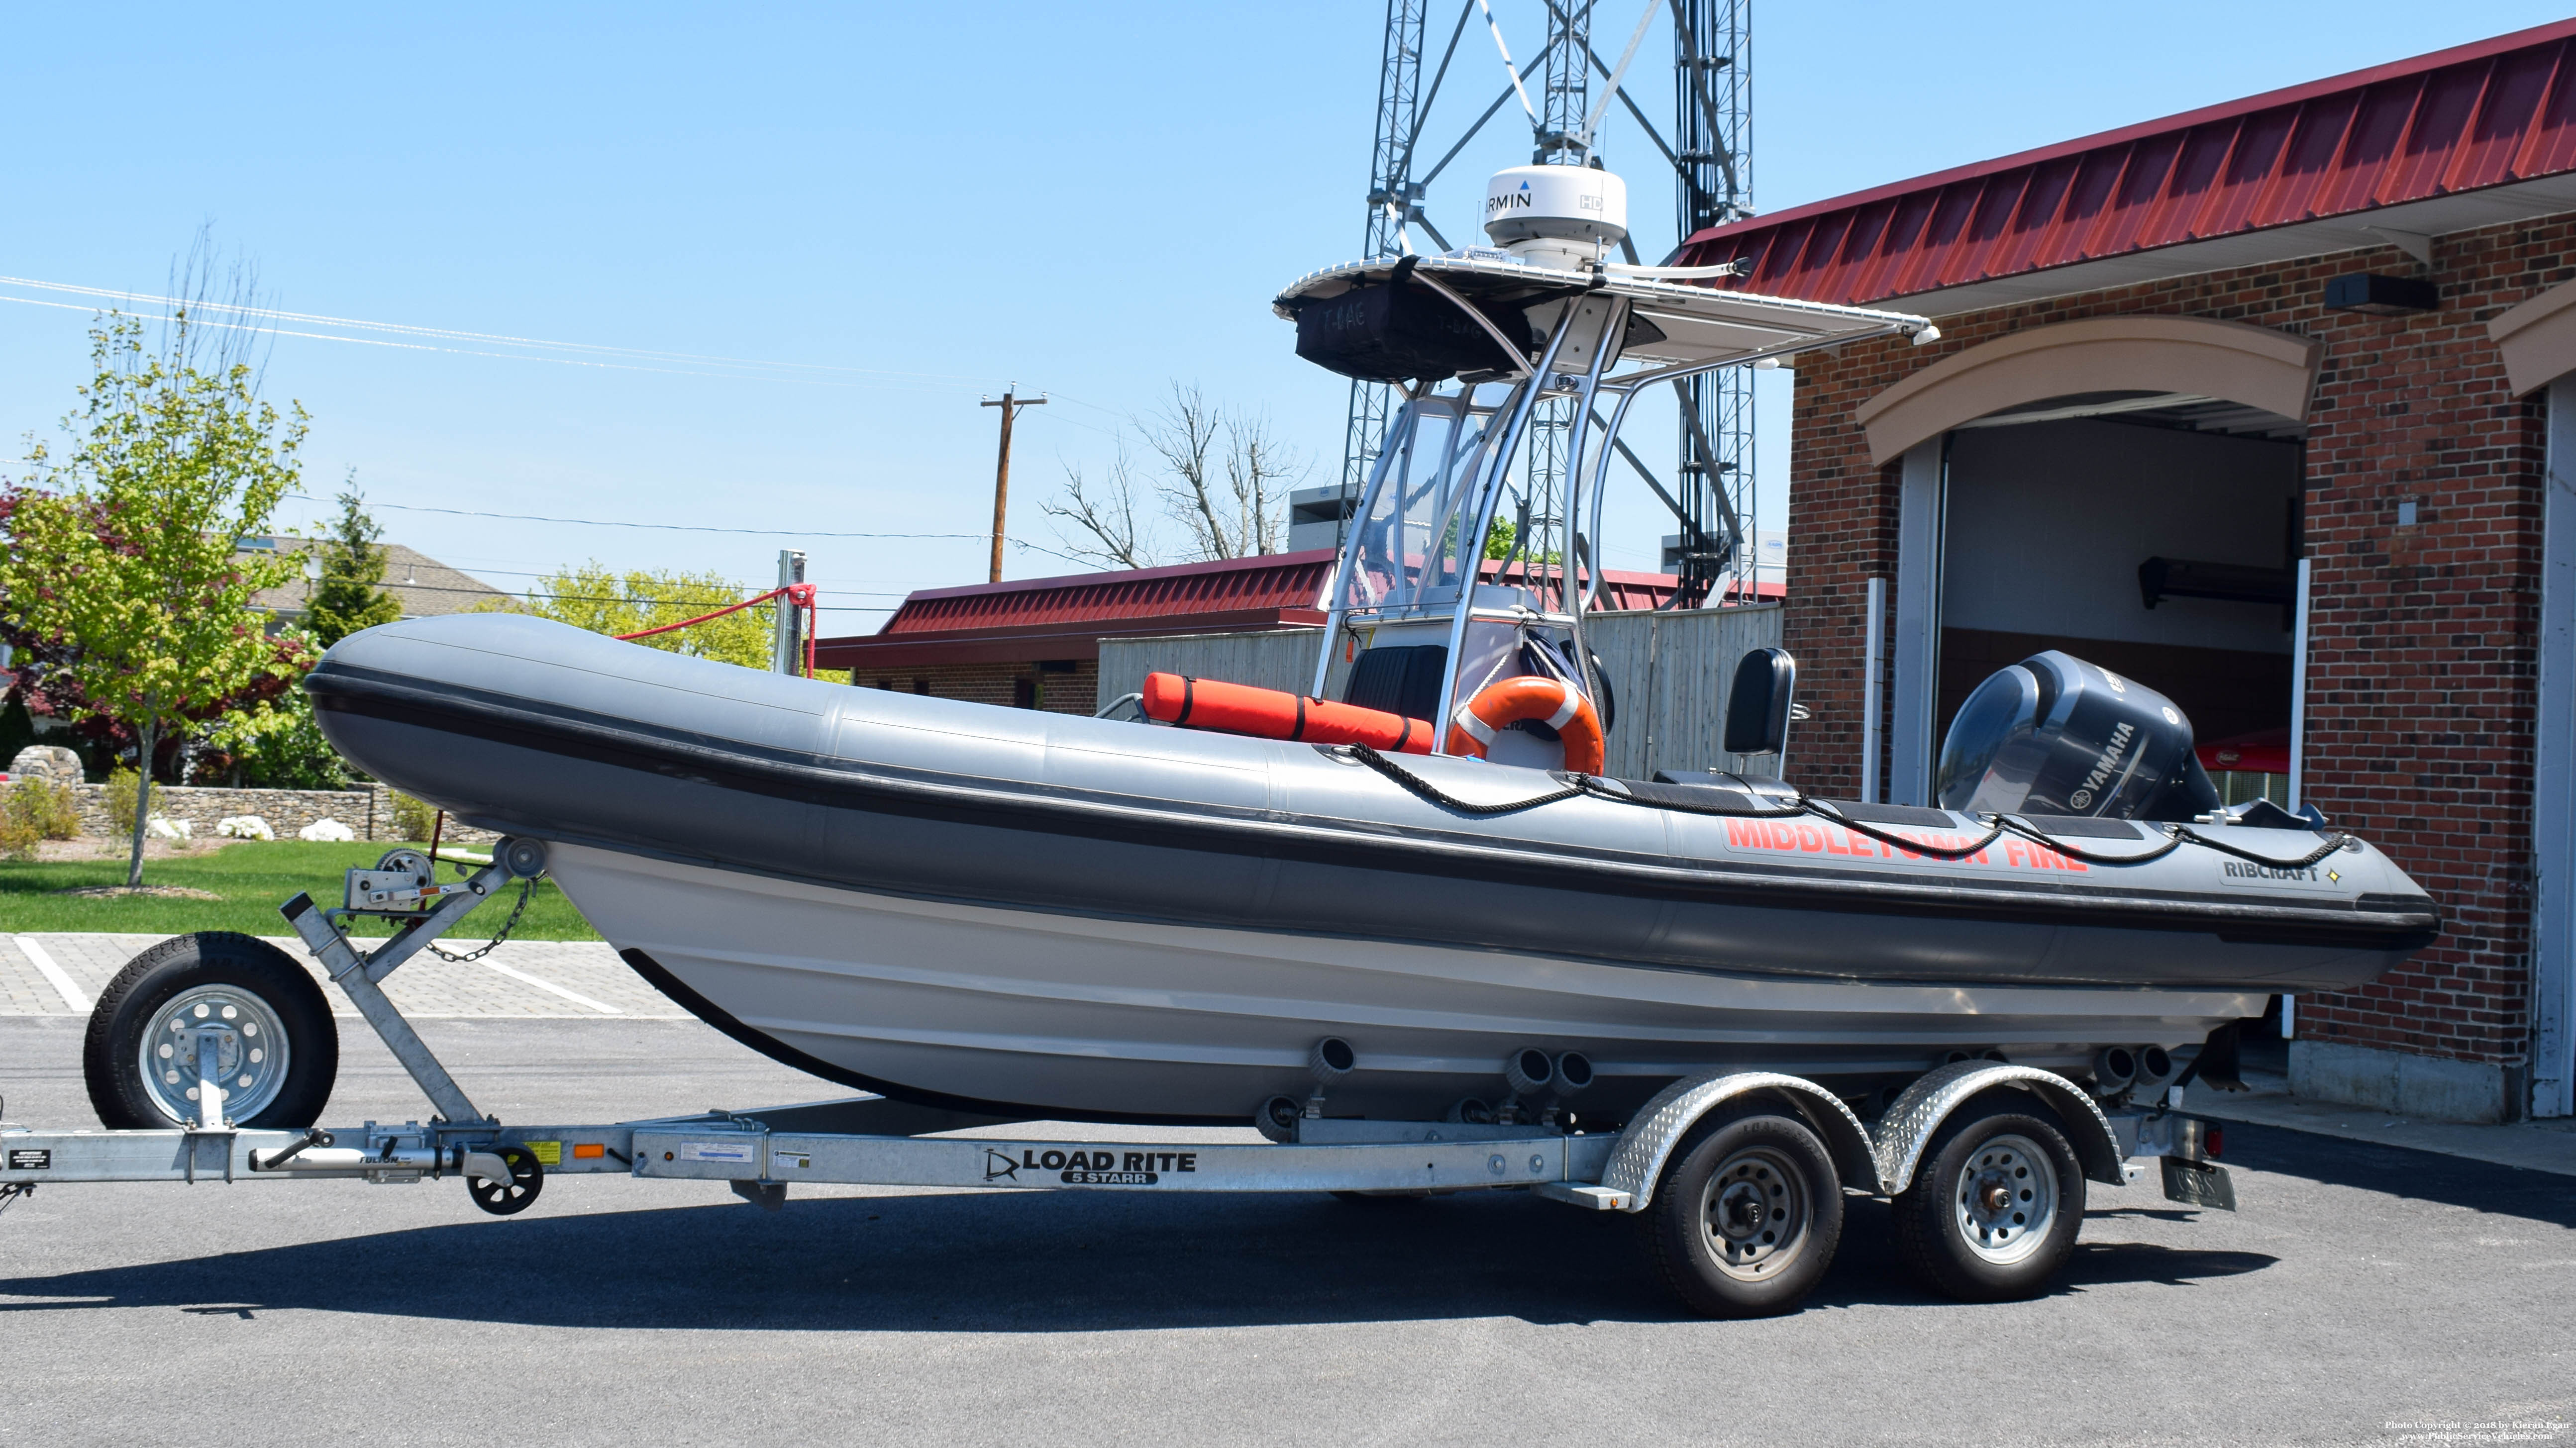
(254, 877)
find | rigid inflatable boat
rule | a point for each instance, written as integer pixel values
(1036, 915)
(1045, 915)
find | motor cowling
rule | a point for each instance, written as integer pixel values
(2054, 734)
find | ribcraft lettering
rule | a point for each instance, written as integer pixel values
(1806, 838)
(2237, 871)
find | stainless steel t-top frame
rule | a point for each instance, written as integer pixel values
(1403, 563)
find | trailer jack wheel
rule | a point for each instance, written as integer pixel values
(507, 1199)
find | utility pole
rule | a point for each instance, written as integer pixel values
(787, 645)
(1010, 402)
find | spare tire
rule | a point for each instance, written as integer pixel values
(277, 1048)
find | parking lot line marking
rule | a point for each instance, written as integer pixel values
(576, 997)
(54, 976)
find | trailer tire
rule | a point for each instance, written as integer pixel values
(1746, 1215)
(1995, 1204)
(218, 971)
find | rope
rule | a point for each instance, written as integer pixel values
(2335, 840)
(1426, 790)
(2000, 825)
(799, 595)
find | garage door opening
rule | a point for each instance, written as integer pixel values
(2153, 534)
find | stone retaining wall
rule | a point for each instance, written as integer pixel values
(368, 812)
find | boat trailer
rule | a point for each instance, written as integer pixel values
(1738, 1205)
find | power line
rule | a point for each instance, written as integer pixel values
(655, 354)
(695, 527)
(558, 573)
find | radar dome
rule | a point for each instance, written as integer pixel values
(1556, 215)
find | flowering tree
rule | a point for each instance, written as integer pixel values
(119, 559)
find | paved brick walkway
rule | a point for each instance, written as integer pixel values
(529, 979)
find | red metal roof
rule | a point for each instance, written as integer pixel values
(2478, 117)
(1026, 620)
(1269, 581)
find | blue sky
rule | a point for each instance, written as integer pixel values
(910, 206)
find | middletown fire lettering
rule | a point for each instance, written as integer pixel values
(1820, 839)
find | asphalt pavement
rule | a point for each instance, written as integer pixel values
(2363, 1294)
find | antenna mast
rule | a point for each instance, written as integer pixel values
(1713, 163)
(1393, 200)
(1711, 155)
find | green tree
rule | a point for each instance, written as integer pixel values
(122, 552)
(275, 743)
(346, 599)
(591, 597)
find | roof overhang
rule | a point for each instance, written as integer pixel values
(2410, 227)
(2475, 136)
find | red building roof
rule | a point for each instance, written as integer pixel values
(1027, 620)
(2460, 138)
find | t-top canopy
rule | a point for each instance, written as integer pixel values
(1399, 318)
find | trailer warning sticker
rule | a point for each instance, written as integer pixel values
(739, 1151)
(31, 1158)
(1087, 1167)
(548, 1153)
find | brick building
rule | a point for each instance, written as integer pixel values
(2292, 361)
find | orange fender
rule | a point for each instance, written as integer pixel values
(1508, 701)
(1273, 714)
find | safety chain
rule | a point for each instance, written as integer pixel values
(1999, 825)
(526, 890)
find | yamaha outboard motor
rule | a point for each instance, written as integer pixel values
(2056, 735)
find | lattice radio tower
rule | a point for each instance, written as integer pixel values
(1710, 155)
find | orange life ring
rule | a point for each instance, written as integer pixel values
(1508, 701)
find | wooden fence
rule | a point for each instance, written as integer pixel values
(1669, 673)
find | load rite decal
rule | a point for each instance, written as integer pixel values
(1822, 839)
(1084, 1167)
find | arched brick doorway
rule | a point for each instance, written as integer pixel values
(2125, 488)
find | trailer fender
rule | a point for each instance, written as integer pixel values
(1661, 1123)
(1917, 1113)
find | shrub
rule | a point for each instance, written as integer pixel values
(123, 785)
(413, 818)
(48, 808)
(18, 834)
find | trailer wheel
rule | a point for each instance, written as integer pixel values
(1994, 1206)
(1746, 1216)
(276, 1045)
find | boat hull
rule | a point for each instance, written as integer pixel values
(1021, 1012)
